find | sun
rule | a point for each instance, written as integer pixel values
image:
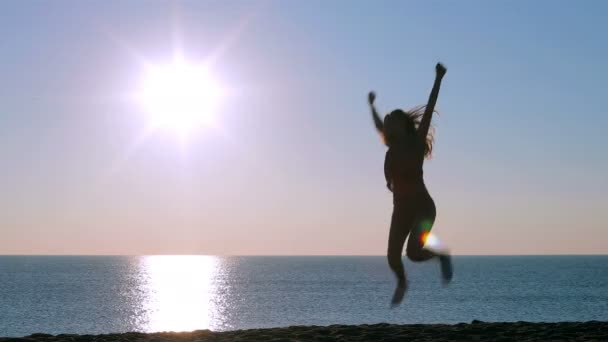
(180, 96)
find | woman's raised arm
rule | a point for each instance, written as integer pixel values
(425, 123)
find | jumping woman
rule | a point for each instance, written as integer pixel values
(406, 134)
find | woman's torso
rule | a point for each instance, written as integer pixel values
(403, 169)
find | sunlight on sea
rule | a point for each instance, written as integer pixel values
(180, 292)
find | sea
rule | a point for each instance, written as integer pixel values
(112, 294)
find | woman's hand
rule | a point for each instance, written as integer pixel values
(440, 70)
(371, 97)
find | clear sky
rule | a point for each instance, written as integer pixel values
(293, 165)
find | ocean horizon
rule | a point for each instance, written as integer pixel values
(113, 294)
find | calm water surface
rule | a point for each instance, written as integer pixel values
(82, 294)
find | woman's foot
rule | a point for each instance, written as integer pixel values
(446, 267)
(399, 294)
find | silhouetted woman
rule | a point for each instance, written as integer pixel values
(409, 142)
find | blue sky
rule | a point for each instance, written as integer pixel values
(294, 166)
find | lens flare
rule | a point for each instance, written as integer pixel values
(431, 241)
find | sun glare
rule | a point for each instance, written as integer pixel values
(181, 292)
(180, 96)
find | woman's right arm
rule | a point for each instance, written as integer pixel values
(425, 123)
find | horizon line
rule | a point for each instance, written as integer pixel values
(294, 255)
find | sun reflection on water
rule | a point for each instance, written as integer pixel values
(181, 292)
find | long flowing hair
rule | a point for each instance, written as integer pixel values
(411, 119)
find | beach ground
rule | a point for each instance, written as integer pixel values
(475, 331)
